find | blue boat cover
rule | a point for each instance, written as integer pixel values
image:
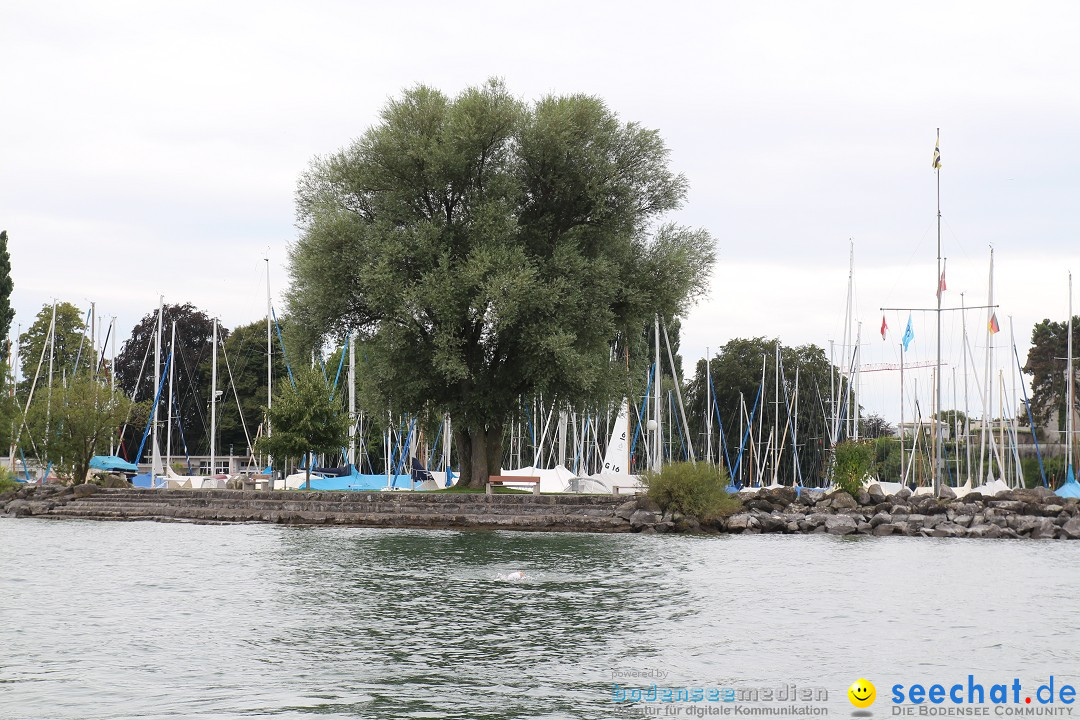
(112, 463)
(146, 480)
(1070, 488)
(358, 482)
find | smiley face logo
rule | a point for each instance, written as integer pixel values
(862, 693)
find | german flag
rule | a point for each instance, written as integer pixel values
(993, 325)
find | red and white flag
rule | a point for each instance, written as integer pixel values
(941, 283)
(884, 327)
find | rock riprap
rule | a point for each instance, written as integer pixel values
(1035, 513)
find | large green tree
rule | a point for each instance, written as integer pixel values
(488, 249)
(305, 419)
(1046, 365)
(7, 313)
(71, 342)
(76, 423)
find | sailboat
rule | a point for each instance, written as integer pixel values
(615, 474)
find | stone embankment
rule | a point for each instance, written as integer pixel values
(1036, 513)
(1016, 514)
(559, 513)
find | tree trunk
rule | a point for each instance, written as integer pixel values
(479, 453)
(307, 475)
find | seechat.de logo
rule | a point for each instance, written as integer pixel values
(862, 693)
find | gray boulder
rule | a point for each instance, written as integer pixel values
(946, 492)
(643, 518)
(1071, 528)
(738, 523)
(880, 518)
(626, 510)
(840, 525)
(841, 500)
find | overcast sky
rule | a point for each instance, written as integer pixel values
(153, 149)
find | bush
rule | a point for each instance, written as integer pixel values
(853, 461)
(697, 490)
(8, 481)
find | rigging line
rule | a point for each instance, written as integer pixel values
(239, 410)
(192, 392)
(904, 275)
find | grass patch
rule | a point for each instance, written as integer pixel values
(697, 490)
(481, 491)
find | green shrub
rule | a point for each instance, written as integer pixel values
(698, 490)
(852, 463)
(7, 481)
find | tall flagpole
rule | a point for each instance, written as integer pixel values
(937, 425)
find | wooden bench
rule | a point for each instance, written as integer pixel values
(504, 480)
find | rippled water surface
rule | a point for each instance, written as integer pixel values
(146, 620)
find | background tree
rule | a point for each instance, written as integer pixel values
(305, 419)
(70, 336)
(874, 426)
(736, 373)
(246, 351)
(191, 380)
(488, 248)
(1046, 365)
(7, 313)
(83, 415)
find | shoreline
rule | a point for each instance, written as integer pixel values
(1032, 514)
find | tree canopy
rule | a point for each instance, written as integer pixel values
(191, 370)
(72, 343)
(736, 371)
(305, 419)
(1046, 365)
(245, 350)
(7, 313)
(486, 248)
(77, 423)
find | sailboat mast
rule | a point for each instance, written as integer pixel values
(795, 431)
(112, 378)
(937, 426)
(269, 358)
(858, 377)
(903, 472)
(168, 427)
(213, 401)
(776, 411)
(846, 347)
(967, 411)
(352, 402)
(832, 392)
(657, 438)
(155, 451)
(708, 410)
(1070, 383)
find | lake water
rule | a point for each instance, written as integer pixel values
(147, 620)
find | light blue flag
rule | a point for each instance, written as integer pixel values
(909, 334)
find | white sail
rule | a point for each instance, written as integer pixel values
(616, 458)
